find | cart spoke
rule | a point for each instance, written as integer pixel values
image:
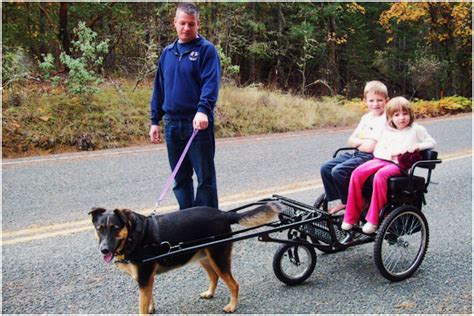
(295, 263)
(403, 242)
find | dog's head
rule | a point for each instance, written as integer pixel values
(112, 230)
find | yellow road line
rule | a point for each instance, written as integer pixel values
(45, 235)
(458, 155)
(68, 228)
(36, 233)
(43, 229)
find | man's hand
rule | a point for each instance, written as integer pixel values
(155, 134)
(200, 121)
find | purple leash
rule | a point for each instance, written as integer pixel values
(176, 168)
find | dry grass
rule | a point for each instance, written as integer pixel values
(251, 110)
(49, 121)
(39, 119)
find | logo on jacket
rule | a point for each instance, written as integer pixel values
(193, 56)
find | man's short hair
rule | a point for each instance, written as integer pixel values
(188, 8)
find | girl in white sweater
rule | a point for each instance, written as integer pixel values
(401, 135)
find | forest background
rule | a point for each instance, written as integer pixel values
(78, 76)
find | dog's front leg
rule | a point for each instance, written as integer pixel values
(146, 303)
(151, 308)
(146, 278)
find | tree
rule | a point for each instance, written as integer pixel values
(308, 47)
(446, 29)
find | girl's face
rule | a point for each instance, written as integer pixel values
(401, 119)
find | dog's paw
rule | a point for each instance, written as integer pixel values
(229, 308)
(206, 295)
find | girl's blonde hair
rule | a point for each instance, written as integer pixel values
(395, 105)
(376, 87)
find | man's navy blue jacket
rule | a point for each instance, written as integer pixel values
(186, 83)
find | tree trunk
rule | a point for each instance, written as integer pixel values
(333, 66)
(63, 31)
(252, 62)
(42, 31)
(283, 47)
(147, 26)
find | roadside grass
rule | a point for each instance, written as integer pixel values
(248, 111)
(39, 119)
(50, 121)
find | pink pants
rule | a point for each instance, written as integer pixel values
(383, 170)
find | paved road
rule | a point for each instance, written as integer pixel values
(51, 263)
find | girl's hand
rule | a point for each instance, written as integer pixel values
(413, 148)
(395, 153)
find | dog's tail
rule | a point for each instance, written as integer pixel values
(261, 215)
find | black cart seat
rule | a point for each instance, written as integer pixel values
(400, 185)
(408, 185)
(411, 183)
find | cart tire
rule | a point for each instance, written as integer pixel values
(321, 202)
(401, 243)
(293, 264)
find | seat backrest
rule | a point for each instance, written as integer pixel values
(427, 154)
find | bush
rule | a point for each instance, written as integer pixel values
(84, 63)
(447, 105)
(16, 66)
(424, 108)
(229, 71)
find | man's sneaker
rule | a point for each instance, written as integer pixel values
(369, 228)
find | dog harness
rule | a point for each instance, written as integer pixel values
(152, 229)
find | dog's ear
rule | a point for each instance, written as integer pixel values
(126, 216)
(129, 218)
(96, 211)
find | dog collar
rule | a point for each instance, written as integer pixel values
(120, 259)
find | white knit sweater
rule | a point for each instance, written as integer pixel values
(370, 126)
(392, 141)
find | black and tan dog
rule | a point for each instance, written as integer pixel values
(131, 237)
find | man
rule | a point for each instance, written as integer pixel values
(184, 95)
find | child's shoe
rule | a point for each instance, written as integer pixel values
(346, 226)
(336, 209)
(369, 228)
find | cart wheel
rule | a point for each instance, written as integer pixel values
(321, 202)
(293, 264)
(401, 243)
